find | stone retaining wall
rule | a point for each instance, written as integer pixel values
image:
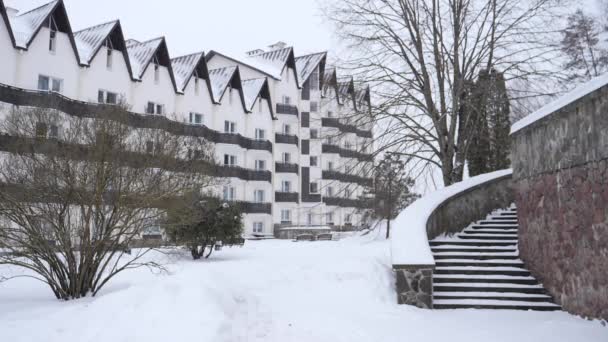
(560, 173)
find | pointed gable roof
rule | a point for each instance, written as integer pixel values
(277, 60)
(362, 95)
(142, 54)
(308, 63)
(254, 89)
(221, 78)
(346, 90)
(184, 68)
(26, 26)
(330, 80)
(6, 22)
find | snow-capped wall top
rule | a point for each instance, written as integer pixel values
(307, 64)
(89, 40)
(251, 90)
(141, 54)
(220, 79)
(184, 67)
(26, 25)
(409, 240)
(561, 102)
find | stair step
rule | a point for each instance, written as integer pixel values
(491, 231)
(485, 280)
(499, 296)
(493, 304)
(472, 243)
(490, 271)
(474, 263)
(494, 226)
(488, 237)
(488, 287)
(503, 218)
(476, 257)
(492, 294)
(474, 250)
(512, 222)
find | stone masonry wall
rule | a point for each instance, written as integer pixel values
(560, 177)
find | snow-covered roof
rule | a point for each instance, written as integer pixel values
(184, 67)
(220, 79)
(251, 91)
(25, 25)
(307, 64)
(409, 240)
(362, 95)
(90, 40)
(141, 54)
(345, 90)
(6, 22)
(276, 60)
(249, 62)
(561, 102)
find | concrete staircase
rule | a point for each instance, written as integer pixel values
(480, 268)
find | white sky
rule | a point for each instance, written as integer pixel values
(230, 26)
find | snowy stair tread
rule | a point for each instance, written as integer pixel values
(479, 268)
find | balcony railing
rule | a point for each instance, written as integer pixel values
(335, 123)
(287, 109)
(286, 197)
(254, 208)
(43, 99)
(287, 168)
(311, 198)
(244, 174)
(346, 178)
(346, 153)
(346, 202)
(286, 139)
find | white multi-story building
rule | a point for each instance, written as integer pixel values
(295, 139)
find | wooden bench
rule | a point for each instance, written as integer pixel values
(325, 237)
(305, 237)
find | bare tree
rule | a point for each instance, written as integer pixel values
(78, 192)
(419, 56)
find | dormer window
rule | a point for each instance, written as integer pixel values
(53, 35)
(156, 71)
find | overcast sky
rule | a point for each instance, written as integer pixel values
(230, 26)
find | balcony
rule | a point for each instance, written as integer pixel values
(335, 123)
(254, 208)
(344, 153)
(286, 197)
(286, 139)
(43, 99)
(346, 178)
(287, 168)
(345, 202)
(287, 109)
(244, 174)
(311, 198)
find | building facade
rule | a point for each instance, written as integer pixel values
(295, 137)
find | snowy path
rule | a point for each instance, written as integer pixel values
(268, 291)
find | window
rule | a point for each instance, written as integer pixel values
(285, 186)
(330, 166)
(53, 132)
(314, 80)
(261, 105)
(329, 140)
(108, 97)
(260, 165)
(260, 134)
(314, 133)
(314, 106)
(109, 59)
(230, 95)
(229, 160)
(258, 196)
(229, 127)
(286, 157)
(258, 227)
(330, 114)
(329, 218)
(348, 218)
(197, 85)
(155, 108)
(314, 188)
(347, 193)
(329, 192)
(286, 100)
(47, 83)
(285, 216)
(313, 161)
(229, 193)
(309, 219)
(196, 118)
(286, 129)
(348, 145)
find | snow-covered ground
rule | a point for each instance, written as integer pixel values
(268, 291)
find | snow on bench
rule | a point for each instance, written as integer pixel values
(409, 240)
